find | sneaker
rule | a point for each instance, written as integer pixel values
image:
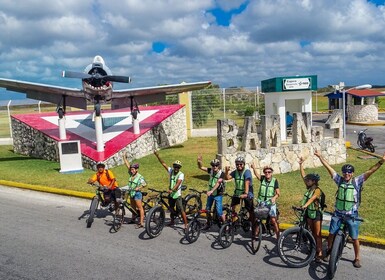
(206, 226)
(171, 224)
(357, 263)
(327, 256)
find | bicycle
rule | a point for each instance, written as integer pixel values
(296, 245)
(120, 212)
(340, 241)
(156, 216)
(195, 225)
(102, 197)
(237, 220)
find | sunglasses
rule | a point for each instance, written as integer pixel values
(267, 172)
(214, 165)
(176, 166)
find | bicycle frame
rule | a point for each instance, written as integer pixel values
(339, 243)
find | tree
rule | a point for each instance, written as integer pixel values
(203, 103)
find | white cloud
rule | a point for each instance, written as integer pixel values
(269, 38)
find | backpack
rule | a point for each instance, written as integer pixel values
(322, 201)
(221, 188)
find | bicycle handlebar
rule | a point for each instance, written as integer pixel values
(346, 216)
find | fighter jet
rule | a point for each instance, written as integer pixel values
(97, 88)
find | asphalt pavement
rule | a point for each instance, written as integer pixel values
(44, 236)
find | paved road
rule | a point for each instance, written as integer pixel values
(42, 238)
(376, 132)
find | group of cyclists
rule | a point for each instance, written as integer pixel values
(348, 195)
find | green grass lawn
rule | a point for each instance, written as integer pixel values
(23, 169)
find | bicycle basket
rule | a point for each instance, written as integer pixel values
(262, 211)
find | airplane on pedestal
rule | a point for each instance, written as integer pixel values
(97, 88)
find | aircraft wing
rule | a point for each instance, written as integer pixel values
(121, 98)
(49, 93)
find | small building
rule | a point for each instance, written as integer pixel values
(288, 94)
(360, 104)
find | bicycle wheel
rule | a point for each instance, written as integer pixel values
(155, 221)
(226, 235)
(256, 239)
(335, 255)
(93, 207)
(296, 247)
(193, 204)
(193, 231)
(118, 218)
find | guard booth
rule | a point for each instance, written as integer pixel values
(288, 94)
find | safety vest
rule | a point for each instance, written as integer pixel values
(311, 209)
(213, 180)
(239, 183)
(133, 183)
(173, 180)
(345, 199)
(266, 191)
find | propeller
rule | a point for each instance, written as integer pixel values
(82, 75)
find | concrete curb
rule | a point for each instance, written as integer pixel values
(367, 240)
(47, 189)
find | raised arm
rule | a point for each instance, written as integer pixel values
(255, 171)
(374, 168)
(325, 163)
(200, 165)
(227, 173)
(161, 160)
(303, 174)
(126, 162)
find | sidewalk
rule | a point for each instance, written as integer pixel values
(366, 240)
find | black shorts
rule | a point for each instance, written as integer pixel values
(318, 216)
(249, 204)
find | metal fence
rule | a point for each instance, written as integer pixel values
(208, 105)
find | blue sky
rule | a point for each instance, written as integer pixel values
(230, 42)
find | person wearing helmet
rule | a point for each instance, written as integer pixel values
(106, 179)
(135, 184)
(175, 189)
(243, 185)
(268, 193)
(348, 199)
(215, 189)
(311, 202)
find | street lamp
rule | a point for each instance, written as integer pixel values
(341, 88)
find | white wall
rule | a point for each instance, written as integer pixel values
(302, 99)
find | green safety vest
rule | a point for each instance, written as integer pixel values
(345, 196)
(239, 183)
(213, 180)
(173, 180)
(266, 191)
(311, 209)
(133, 183)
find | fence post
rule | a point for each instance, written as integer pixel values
(9, 117)
(224, 102)
(185, 99)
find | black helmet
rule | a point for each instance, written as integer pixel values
(215, 162)
(100, 164)
(135, 165)
(347, 168)
(312, 176)
(240, 159)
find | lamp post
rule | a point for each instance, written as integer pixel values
(343, 91)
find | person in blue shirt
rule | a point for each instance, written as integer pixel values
(243, 185)
(289, 119)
